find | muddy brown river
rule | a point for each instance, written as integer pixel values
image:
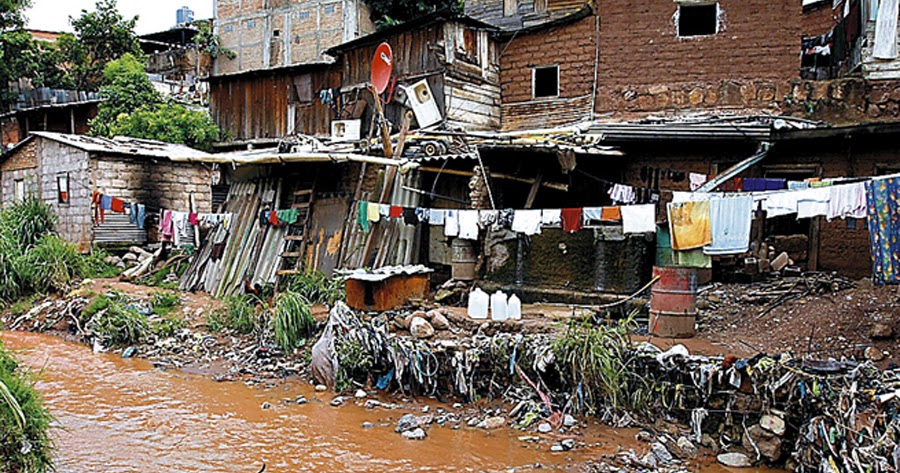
(123, 415)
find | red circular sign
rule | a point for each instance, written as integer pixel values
(382, 66)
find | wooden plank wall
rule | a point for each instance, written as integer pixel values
(257, 107)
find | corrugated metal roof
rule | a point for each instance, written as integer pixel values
(127, 146)
(732, 128)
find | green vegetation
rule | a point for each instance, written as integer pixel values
(293, 320)
(392, 12)
(165, 302)
(25, 444)
(354, 363)
(167, 320)
(601, 359)
(113, 320)
(33, 259)
(239, 316)
(208, 42)
(316, 287)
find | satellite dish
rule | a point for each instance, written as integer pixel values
(382, 66)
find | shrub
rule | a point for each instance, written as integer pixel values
(95, 266)
(354, 362)
(52, 265)
(293, 320)
(168, 325)
(25, 445)
(27, 222)
(164, 302)
(217, 320)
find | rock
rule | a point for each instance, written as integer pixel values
(882, 332)
(406, 423)
(874, 354)
(321, 388)
(544, 428)
(301, 400)
(685, 448)
(420, 328)
(407, 321)
(439, 322)
(492, 423)
(472, 422)
(340, 400)
(768, 444)
(662, 453)
(568, 444)
(643, 436)
(569, 421)
(121, 264)
(417, 434)
(432, 313)
(360, 394)
(557, 448)
(368, 425)
(734, 460)
(129, 352)
(772, 424)
(266, 405)
(780, 261)
(128, 257)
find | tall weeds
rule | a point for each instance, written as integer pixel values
(293, 320)
(25, 444)
(316, 287)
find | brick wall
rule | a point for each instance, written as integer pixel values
(22, 164)
(646, 67)
(818, 19)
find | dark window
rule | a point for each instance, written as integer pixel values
(62, 189)
(276, 33)
(546, 81)
(698, 20)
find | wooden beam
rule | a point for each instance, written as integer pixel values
(494, 175)
(532, 194)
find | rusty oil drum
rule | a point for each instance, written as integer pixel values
(673, 302)
(462, 260)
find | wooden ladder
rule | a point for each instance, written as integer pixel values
(296, 237)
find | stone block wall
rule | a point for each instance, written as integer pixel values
(58, 160)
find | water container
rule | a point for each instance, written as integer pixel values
(514, 308)
(498, 306)
(478, 304)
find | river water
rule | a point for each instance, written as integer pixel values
(122, 415)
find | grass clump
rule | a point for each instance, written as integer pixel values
(316, 287)
(241, 314)
(25, 444)
(164, 302)
(354, 363)
(110, 319)
(293, 320)
(602, 361)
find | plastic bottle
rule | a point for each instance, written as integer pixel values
(514, 308)
(498, 306)
(478, 304)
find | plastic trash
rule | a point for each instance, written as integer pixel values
(478, 304)
(498, 306)
(514, 308)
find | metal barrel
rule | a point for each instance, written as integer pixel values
(462, 260)
(673, 302)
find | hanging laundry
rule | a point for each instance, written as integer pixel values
(622, 194)
(436, 216)
(362, 215)
(422, 215)
(678, 196)
(468, 224)
(847, 200)
(396, 211)
(613, 214)
(192, 219)
(451, 223)
(689, 225)
(288, 216)
(373, 212)
(638, 218)
(410, 217)
(384, 210)
(527, 222)
(730, 219)
(184, 231)
(779, 204)
(697, 180)
(551, 217)
(883, 210)
(166, 230)
(487, 218)
(273, 218)
(812, 203)
(593, 214)
(797, 185)
(99, 213)
(105, 202)
(117, 205)
(571, 220)
(775, 184)
(754, 184)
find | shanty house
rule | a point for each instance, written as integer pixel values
(65, 170)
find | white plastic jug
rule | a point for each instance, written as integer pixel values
(478, 304)
(498, 306)
(514, 308)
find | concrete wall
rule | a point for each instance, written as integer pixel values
(21, 165)
(58, 160)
